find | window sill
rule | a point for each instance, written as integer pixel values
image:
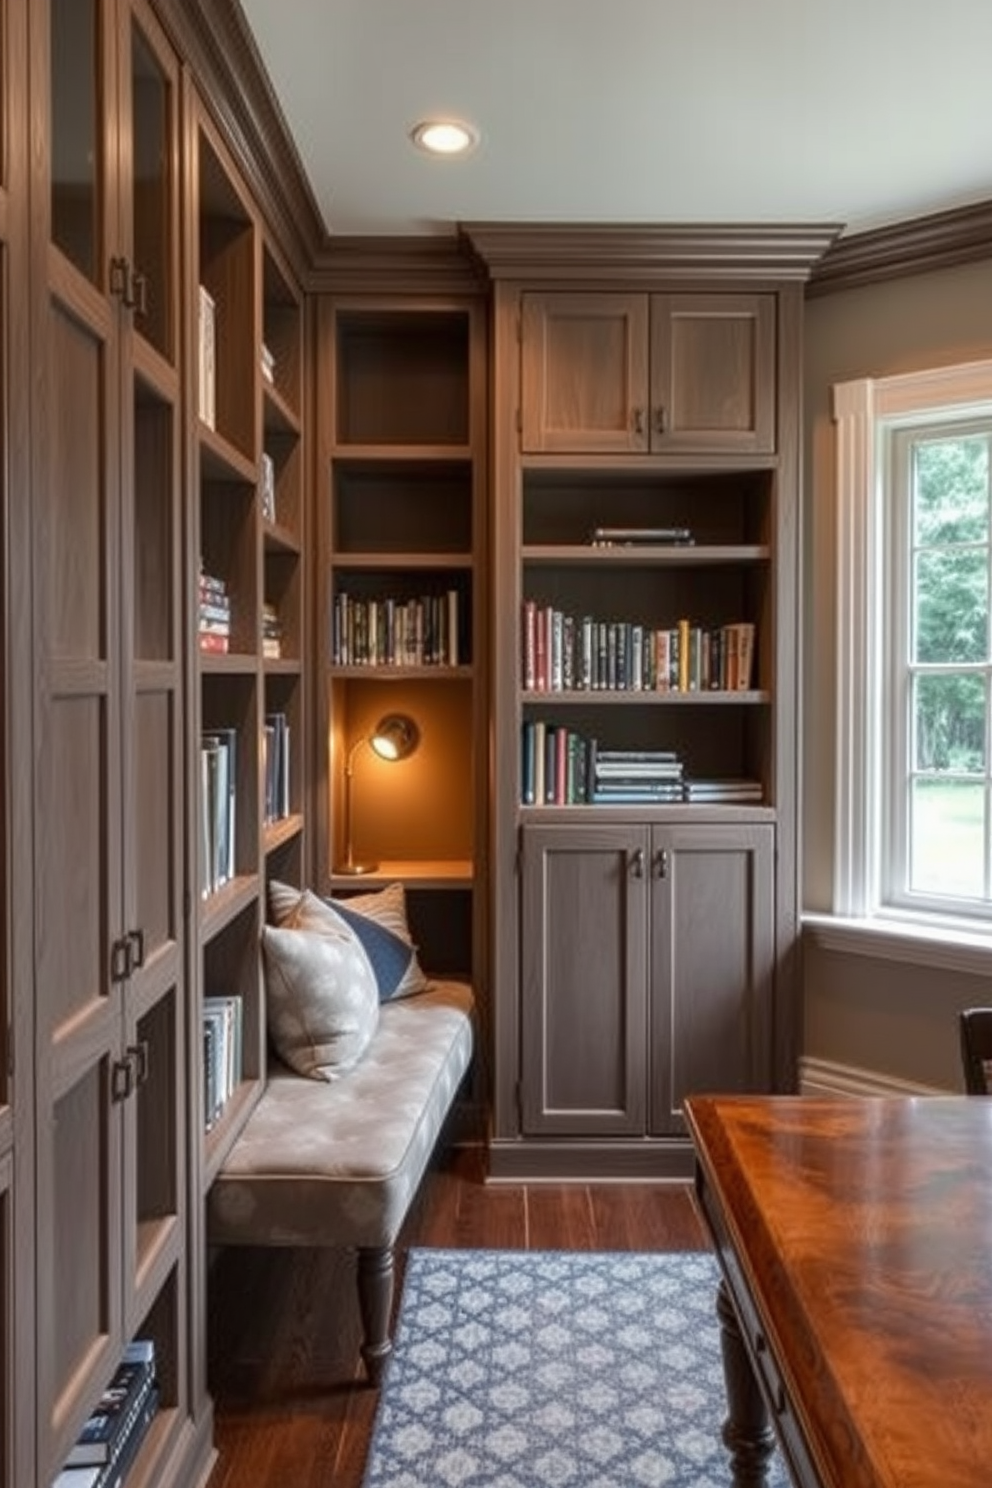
(940, 947)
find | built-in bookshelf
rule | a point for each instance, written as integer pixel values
(645, 466)
(631, 642)
(249, 584)
(402, 608)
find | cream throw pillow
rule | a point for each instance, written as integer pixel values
(323, 1003)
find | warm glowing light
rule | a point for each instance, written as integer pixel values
(444, 136)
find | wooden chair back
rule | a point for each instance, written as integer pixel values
(975, 1025)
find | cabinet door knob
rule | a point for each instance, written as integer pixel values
(137, 1055)
(660, 419)
(120, 277)
(637, 863)
(136, 949)
(120, 960)
(637, 420)
(121, 1079)
(661, 862)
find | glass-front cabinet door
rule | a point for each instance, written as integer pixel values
(107, 797)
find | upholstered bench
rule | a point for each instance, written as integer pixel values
(338, 1163)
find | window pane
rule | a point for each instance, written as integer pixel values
(949, 723)
(951, 605)
(947, 839)
(951, 490)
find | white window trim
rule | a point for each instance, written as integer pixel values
(855, 923)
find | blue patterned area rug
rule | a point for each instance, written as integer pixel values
(554, 1369)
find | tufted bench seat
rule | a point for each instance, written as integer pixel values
(339, 1163)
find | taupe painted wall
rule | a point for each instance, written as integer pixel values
(876, 1015)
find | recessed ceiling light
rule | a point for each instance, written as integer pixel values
(444, 136)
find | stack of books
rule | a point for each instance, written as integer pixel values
(630, 776)
(742, 792)
(214, 615)
(109, 1441)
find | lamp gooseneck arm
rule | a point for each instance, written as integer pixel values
(349, 771)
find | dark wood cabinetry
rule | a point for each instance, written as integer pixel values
(630, 373)
(646, 961)
(118, 199)
(110, 995)
(644, 939)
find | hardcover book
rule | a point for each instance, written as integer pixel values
(119, 1407)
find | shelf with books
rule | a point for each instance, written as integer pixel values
(560, 744)
(566, 652)
(231, 978)
(228, 598)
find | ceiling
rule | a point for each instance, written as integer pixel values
(860, 112)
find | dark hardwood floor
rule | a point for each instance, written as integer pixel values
(291, 1404)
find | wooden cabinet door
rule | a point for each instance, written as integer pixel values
(107, 789)
(78, 768)
(151, 680)
(713, 373)
(583, 980)
(711, 966)
(584, 374)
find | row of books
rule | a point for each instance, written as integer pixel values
(218, 794)
(213, 613)
(560, 767)
(275, 766)
(110, 1439)
(222, 1053)
(271, 633)
(218, 807)
(396, 632)
(567, 653)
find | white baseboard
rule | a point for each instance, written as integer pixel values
(823, 1077)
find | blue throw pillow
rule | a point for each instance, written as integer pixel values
(390, 956)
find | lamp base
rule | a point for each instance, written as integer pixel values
(354, 870)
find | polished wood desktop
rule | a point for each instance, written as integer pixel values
(855, 1241)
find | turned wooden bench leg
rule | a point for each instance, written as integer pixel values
(375, 1302)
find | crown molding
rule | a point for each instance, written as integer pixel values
(395, 265)
(677, 251)
(919, 246)
(230, 76)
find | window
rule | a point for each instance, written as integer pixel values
(914, 649)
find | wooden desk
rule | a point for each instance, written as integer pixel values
(855, 1239)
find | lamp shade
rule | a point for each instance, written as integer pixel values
(395, 736)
